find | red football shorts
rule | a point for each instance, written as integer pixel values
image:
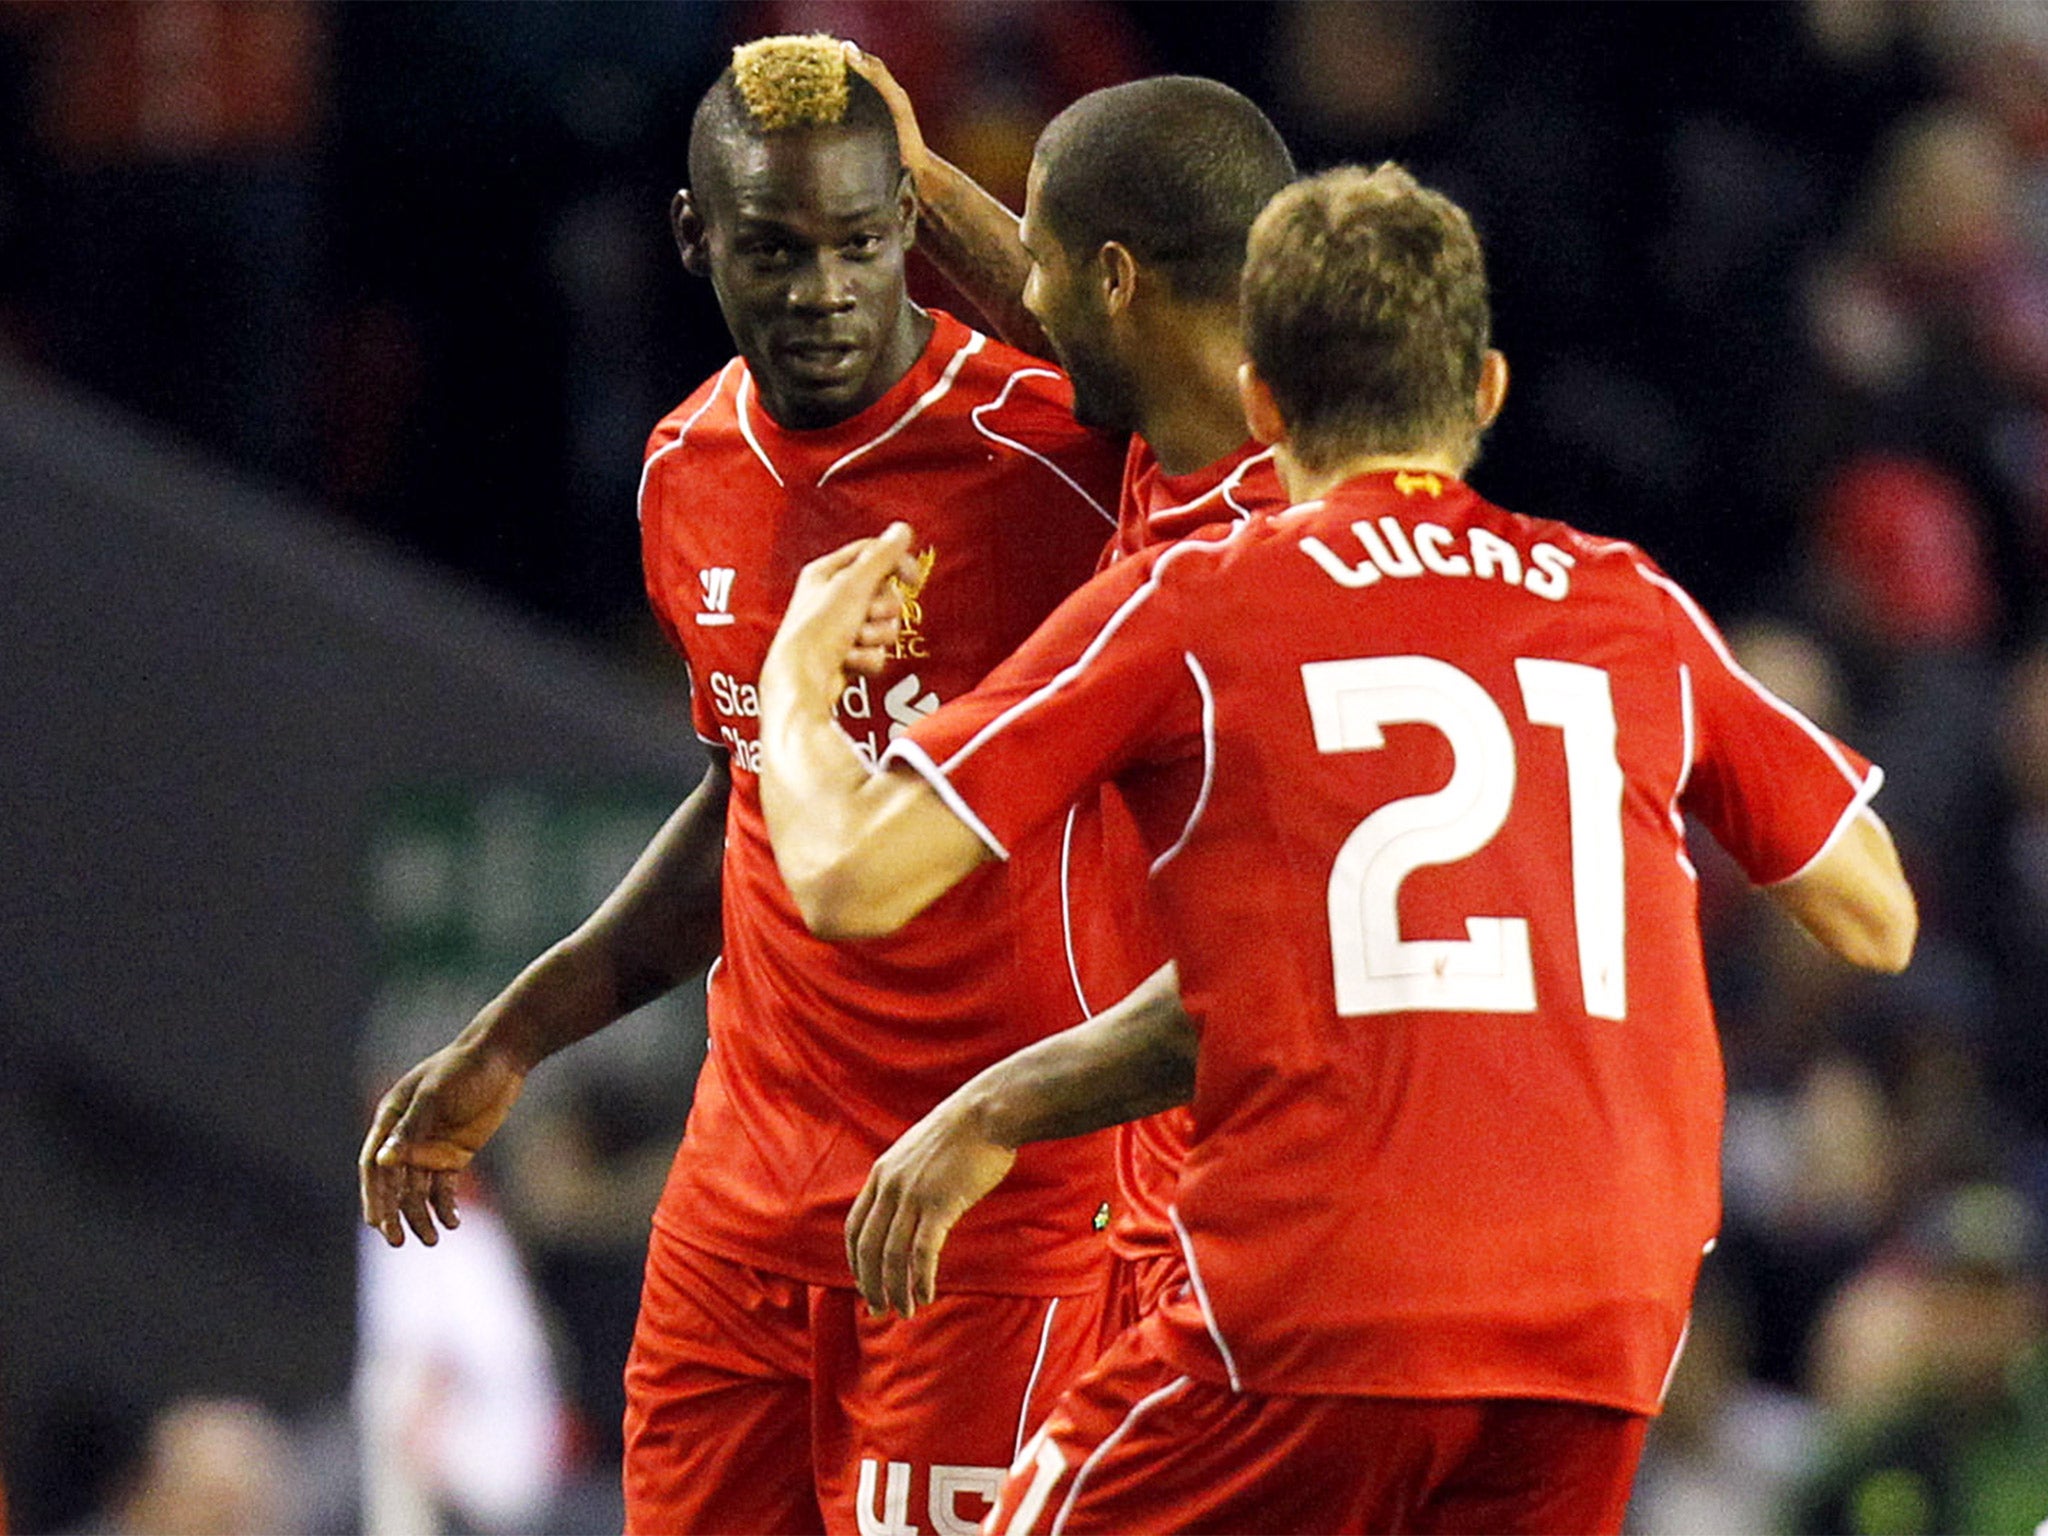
(760, 1404)
(1138, 1446)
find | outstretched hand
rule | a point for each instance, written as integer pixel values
(424, 1134)
(915, 1193)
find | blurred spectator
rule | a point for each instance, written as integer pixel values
(177, 142)
(460, 1420)
(582, 1174)
(1899, 556)
(2018, 870)
(208, 1467)
(1725, 1453)
(1932, 1364)
(1932, 322)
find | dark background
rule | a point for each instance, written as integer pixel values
(330, 335)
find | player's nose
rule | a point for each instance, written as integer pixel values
(822, 285)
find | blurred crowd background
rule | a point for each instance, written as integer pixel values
(1774, 282)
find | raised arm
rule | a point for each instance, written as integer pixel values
(862, 852)
(1854, 899)
(968, 235)
(1127, 1062)
(660, 927)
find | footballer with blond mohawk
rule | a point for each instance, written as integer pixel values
(762, 1395)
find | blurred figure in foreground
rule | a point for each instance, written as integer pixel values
(460, 1418)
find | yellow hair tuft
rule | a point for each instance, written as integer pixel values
(792, 82)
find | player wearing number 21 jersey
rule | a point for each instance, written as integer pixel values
(1413, 772)
(1440, 864)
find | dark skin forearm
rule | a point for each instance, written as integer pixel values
(1132, 1060)
(1128, 1062)
(967, 234)
(972, 239)
(657, 929)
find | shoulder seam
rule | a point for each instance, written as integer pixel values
(717, 388)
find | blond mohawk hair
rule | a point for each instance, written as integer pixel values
(793, 82)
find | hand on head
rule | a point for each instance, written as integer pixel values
(909, 137)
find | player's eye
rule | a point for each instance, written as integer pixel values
(863, 246)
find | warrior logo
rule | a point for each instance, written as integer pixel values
(717, 584)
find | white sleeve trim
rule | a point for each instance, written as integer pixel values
(1187, 1251)
(907, 752)
(1735, 670)
(1094, 648)
(1208, 761)
(1865, 793)
(1067, 911)
(717, 388)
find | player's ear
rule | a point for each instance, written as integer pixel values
(687, 225)
(1261, 410)
(1493, 387)
(1117, 270)
(906, 208)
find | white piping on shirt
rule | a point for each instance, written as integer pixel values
(1079, 664)
(975, 342)
(1866, 787)
(1067, 912)
(640, 496)
(1678, 1354)
(1685, 770)
(1735, 668)
(1222, 488)
(907, 752)
(1208, 761)
(994, 436)
(1187, 1251)
(746, 391)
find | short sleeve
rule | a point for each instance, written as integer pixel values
(1102, 686)
(1774, 788)
(657, 567)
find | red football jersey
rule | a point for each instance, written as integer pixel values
(1414, 771)
(822, 1054)
(1116, 945)
(1158, 508)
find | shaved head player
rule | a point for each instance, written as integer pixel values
(1416, 772)
(1125, 267)
(762, 1396)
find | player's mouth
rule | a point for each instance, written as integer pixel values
(821, 362)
